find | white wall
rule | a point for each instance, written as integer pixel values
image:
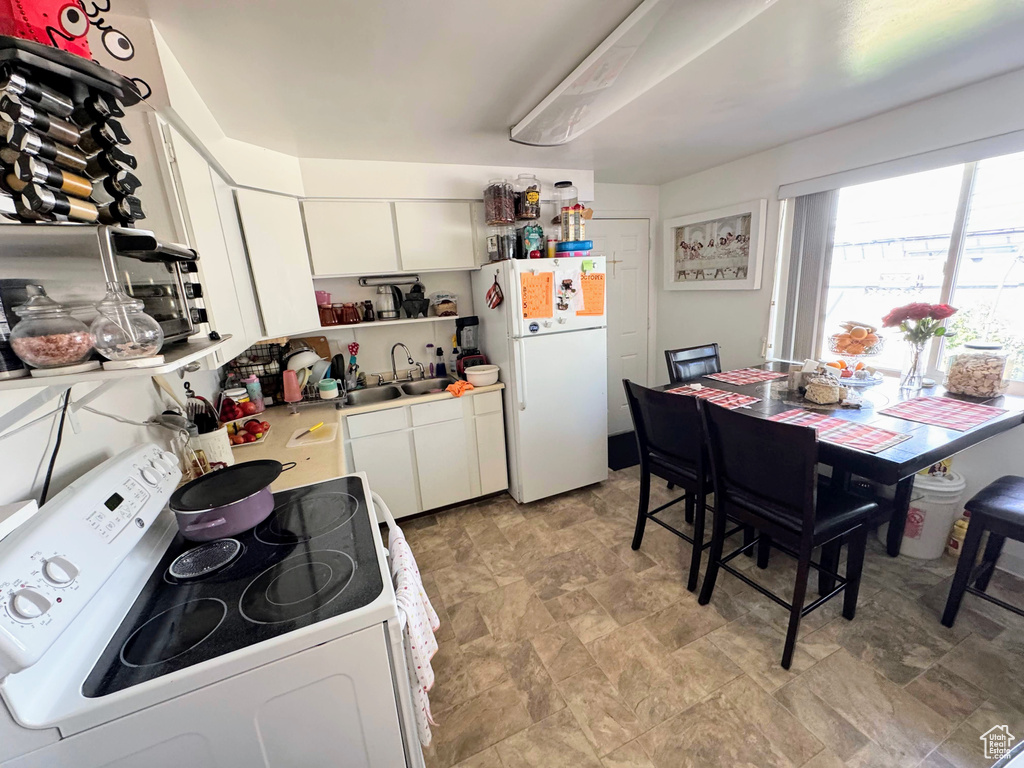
(738, 320)
(25, 454)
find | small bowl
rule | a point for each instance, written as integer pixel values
(482, 375)
(303, 359)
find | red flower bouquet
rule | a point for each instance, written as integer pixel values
(919, 321)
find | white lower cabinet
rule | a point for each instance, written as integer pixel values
(423, 456)
(387, 461)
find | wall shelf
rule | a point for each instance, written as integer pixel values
(378, 324)
(176, 356)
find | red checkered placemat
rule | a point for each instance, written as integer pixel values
(944, 412)
(842, 432)
(746, 376)
(720, 397)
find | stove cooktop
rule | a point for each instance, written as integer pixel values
(312, 559)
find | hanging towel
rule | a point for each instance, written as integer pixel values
(420, 624)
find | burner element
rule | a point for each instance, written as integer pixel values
(296, 586)
(205, 559)
(306, 517)
(173, 632)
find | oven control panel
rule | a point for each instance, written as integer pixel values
(53, 564)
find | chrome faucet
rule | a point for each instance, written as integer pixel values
(394, 368)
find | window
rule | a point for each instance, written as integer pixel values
(951, 235)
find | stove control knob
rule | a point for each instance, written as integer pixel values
(26, 604)
(161, 465)
(149, 476)
(59, 571)
(170, 460)
(158, 467)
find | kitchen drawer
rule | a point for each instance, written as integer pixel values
(432, 413)
(488, 402)
(377, 423)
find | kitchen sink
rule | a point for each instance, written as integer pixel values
(425, 387)
(374, 395)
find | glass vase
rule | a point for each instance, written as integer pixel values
(912, 376)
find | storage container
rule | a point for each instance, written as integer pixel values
(977, 370)
(527, 197)
(47, 336)
(499, 202)
(937, 501)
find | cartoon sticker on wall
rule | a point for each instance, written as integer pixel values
(115, 42)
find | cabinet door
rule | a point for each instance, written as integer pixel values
(442, 462)
(435, 235)
(490, 447)
(198, 204)
(276, 243)
(388, 463)
(348, 238)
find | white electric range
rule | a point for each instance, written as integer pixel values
(282, 648)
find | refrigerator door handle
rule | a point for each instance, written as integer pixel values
(520, 360)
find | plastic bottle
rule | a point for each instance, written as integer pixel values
(439, 368)
(454, 357)
(255, 391)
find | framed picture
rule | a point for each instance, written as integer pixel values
(719, 250)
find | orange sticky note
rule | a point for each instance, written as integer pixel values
(592, 285)
(538, 294)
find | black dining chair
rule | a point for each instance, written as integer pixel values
(670, 441)
(997, 509)
(765, 474)
(692, 362)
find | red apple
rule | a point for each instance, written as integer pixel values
(249, 438)
(248, 408)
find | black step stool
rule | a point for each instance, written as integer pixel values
(999, 509)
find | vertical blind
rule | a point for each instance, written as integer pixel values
(810, 260)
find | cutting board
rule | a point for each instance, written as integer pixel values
(326, 434)
(319, 345)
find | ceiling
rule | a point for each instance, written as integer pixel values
(443, 82)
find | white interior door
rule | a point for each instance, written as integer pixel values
(625, 245)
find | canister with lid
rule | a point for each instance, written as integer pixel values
(499, 202)
(47, 336)
(977, 370)
(527, 197)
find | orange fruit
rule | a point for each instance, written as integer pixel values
(858, 333)
(856, 348)
(842, 364)
(859, 367)
(834, 364)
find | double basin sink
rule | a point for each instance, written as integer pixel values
(386, 392)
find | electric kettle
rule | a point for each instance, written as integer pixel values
(389, 302)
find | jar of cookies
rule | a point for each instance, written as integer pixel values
(977, 369)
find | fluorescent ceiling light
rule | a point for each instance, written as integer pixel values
(656, 40)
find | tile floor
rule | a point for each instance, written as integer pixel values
(560, 646)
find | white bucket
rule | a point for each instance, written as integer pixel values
(934, 506)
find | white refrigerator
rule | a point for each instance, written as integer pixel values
(548, 335)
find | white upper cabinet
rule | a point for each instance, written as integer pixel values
(224, 283)
(435, 235)
(276, 243)
(350, 237)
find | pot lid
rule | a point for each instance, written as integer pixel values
(225, 486)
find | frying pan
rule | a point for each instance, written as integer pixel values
(228, 501)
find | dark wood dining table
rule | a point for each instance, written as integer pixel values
(895, 466)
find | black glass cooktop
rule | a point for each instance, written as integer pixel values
(313, 558)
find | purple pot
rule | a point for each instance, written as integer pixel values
(226, 502)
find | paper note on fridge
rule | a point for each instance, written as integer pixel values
(592, 287)
(538, 294)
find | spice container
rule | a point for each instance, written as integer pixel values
(978, 370)
(499, 202)
(32, 169)
(527, 197)
(44, 200)
(47, 336)
(45, 98)
(102, 136)
(59, 130)
(501, 243)
(25, 140)
(121, 211)
(572, 223)
(122, 330)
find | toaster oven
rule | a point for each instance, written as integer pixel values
(74, 263)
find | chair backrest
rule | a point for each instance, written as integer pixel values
(762, 465)
(667, 424)
(692, 363)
